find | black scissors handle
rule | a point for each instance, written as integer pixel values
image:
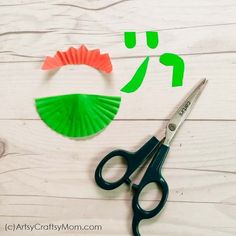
(133, 160)
(152, 175)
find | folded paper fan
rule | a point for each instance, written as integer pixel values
(78, 56)
(78, 115)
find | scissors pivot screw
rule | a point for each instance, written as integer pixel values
(172, 126)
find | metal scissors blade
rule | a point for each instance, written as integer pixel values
(182, 112)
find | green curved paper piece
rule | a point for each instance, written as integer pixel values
(152, 39)
(130, 39)
(137, 79)
(170, 59)
(78, 115)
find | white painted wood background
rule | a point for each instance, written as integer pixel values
(46, 178)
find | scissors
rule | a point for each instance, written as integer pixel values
(155, 149)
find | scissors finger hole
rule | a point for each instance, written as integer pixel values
(114, 169)
(150, 196)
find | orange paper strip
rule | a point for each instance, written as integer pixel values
(78, 56)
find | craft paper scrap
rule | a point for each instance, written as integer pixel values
(167, 59)
(152, 39)
(170, 59)
(137, 79)
(130, 39)
(78, 115)
(78, 56)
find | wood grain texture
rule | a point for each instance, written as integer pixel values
(17, 98)
(46, 178)
(200, 173)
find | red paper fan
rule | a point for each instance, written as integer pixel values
(81, 55)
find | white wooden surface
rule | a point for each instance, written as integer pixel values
(47, 178)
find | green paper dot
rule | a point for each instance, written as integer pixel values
(130, 39)
(152, 39)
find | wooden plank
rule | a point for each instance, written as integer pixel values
(115, 216)
(30, 38)
(21, 83)
(46, 178)
(199, 168)
(38, 30)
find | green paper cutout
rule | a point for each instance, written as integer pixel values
(170, 59)
(130, 39)
(137, 79)
(78, 115)
(152, 39)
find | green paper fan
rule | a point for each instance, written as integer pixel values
(78, 115)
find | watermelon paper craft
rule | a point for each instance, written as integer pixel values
(78, 56)
(78, 115)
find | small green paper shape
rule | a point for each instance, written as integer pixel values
(130, 39)
(137, 79)
(152, 39)
(78, 115)
(170, 59)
